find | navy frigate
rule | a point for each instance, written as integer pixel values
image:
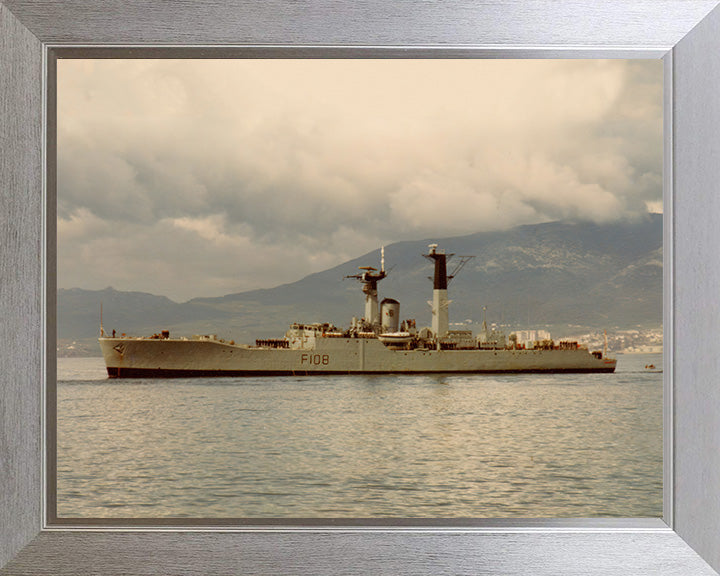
(377, 343)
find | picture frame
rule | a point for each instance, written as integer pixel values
(683, 32)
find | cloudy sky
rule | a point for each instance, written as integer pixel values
(203, 177)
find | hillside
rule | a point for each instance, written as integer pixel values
(551, 275)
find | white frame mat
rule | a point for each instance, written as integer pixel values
(684, 33)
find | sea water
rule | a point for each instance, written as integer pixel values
(434, 446)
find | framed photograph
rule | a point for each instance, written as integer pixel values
(296, 216)
(682, 34)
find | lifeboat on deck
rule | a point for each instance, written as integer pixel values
(395, 338)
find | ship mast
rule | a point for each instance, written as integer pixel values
(369, 278)
(440, 302)
(102, 329)
(605, 344)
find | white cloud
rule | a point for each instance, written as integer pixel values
(655, 207)
(303, 164)
(210, 228)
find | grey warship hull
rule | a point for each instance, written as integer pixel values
(169, 358)
(375, 344)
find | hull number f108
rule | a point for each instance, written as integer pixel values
(315, 359)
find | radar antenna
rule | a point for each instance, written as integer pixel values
(370, 277)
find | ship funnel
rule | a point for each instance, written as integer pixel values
(390, 314)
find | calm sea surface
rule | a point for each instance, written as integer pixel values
(562, 445)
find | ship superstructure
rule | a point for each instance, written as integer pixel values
(376, 343)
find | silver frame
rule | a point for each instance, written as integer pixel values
(685, 32)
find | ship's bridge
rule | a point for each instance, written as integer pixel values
(303, 336)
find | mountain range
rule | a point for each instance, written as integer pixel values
(553, 275)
